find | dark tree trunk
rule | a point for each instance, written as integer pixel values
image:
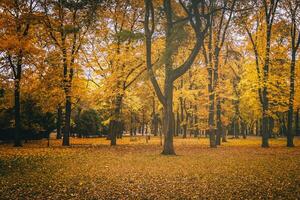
(185, 124)
(178, 128)
(290, 134)
(182, 115)
(283, 128)
(211, 114)
(143, 123)
(265, 134)
(219, 122)
(116, 123)
(67, 89)
(154, 124)
(67, 128)
(297, 122)
(224, 135)
(257, 128)
(17, 110)
(168, 148)
(131, 124)
(269, 16)
(244, 129)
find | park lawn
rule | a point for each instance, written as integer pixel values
(91, 169)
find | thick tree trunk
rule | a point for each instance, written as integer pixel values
(265, 134)
(17, 134)
(116, 123)
(168, 126)
(67, 89)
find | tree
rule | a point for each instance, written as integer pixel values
(114, 55)
(197, 14)
(292, 8)
(67, 23)
(17, 46)
(264, 19)
(216, 39)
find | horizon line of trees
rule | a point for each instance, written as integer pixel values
(198, 67)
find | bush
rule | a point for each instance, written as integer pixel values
(89, 123)
(36, 124)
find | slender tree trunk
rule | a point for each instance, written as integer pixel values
(211, 114)
(297, 122)
(219, 122)
(224, 135)
(178, 128)
(244, 129)
(257, 128)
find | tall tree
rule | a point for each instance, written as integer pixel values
(292, 8)
(264, 16)
(197, 14)
(17, 46)
(67, 23)
(216, 39)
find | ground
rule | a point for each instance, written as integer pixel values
(91, 169)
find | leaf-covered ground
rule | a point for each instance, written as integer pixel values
(91, 169)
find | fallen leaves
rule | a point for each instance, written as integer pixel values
(239, 169)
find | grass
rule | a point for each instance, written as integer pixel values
(91, 169)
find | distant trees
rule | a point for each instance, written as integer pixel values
(173, 68)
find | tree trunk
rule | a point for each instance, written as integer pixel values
(244, 129)
(211, 114)
(297, 122)
(168, 148)
(116, 123)
(178, 128)
(290, 134)
(257, 128)
(219, 122)
(224, 135)
(265, 135)
(66, 138)
(17, 134)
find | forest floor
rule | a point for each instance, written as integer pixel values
(91, 169)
